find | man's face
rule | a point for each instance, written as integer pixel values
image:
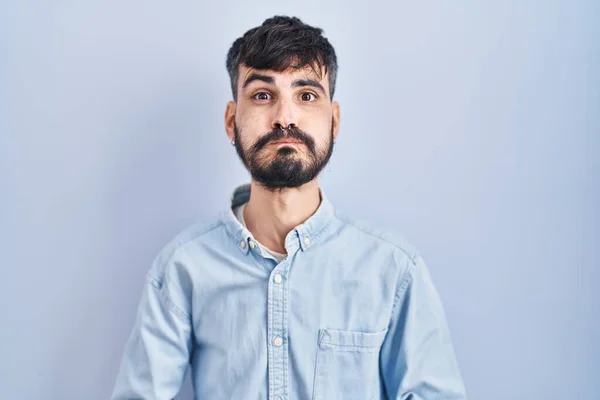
(283, 124)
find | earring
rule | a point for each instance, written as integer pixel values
(233, 142)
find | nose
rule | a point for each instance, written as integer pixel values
(285, 116)
(279, 126)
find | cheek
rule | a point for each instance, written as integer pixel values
(316, 120)
(252, 118)
(251, 128)
(320, 132)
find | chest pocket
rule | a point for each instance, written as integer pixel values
(347, 365)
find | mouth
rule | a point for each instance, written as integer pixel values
(286, 141)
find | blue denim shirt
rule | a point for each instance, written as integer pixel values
(351, 313)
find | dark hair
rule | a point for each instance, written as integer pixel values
(281, 43)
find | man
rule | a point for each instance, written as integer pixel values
(282, 296)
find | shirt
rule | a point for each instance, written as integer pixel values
(350, 313)
(239, 214)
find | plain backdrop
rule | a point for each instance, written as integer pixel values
(470, 128)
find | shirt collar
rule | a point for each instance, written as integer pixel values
(303, 236)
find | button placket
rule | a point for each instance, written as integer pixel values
(277, 331)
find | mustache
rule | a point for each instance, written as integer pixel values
(280, 133)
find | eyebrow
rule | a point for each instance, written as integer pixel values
(258, 77)
(309, 82)
(271, 81)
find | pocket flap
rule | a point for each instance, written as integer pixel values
(340, 338)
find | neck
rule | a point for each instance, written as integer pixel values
(271, 215)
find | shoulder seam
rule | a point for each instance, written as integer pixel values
(157, 283)
(178, 312)
(175, 246)
(402, 286)
(380, 236)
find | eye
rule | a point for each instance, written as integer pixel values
(308, 96)
(261, 96)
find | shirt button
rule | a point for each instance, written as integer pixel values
(243, 244)
(277, 278)
(307, 240)
(252, 244)
(278, 341)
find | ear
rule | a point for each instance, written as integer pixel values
(336, 119)
(230, 110)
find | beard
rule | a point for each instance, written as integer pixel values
(290, 166)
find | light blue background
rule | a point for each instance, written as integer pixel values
(471, 128)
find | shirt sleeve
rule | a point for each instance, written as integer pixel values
(156, 355)
(417, 357)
